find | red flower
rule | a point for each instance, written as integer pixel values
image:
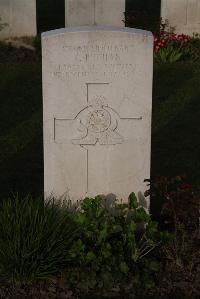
(164, 38)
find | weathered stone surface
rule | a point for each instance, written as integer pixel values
(17, 18)
(183, 15)
(94, 12)
(97, 93)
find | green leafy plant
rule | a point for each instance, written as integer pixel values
(115, 239)
(168, 54)
(35, 237)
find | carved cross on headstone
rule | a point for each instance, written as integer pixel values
(96, 123)
(97, 86)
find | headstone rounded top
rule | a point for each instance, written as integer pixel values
(96, 29)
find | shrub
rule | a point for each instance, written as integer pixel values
(34, 239)
(181, 201)
(114, 247)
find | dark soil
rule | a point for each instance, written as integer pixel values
(43, 290)
(9, 54)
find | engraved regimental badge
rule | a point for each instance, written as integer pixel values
(98, 123)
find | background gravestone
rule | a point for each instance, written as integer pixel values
(183, 15)
(18, 18)
(97, 96)
(94, 12)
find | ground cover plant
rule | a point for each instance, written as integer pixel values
(114, 246)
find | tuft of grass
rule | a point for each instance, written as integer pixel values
(35, 238)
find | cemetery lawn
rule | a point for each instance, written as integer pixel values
(21, 161)
(175, 124)
(176, 114)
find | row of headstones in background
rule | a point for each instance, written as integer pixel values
(183, 15)
(17, 18)
(97, 101)
(94, 12)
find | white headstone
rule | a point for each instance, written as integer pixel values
(183, 15)
(17, 18)
(97, 96)
(94, 12)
